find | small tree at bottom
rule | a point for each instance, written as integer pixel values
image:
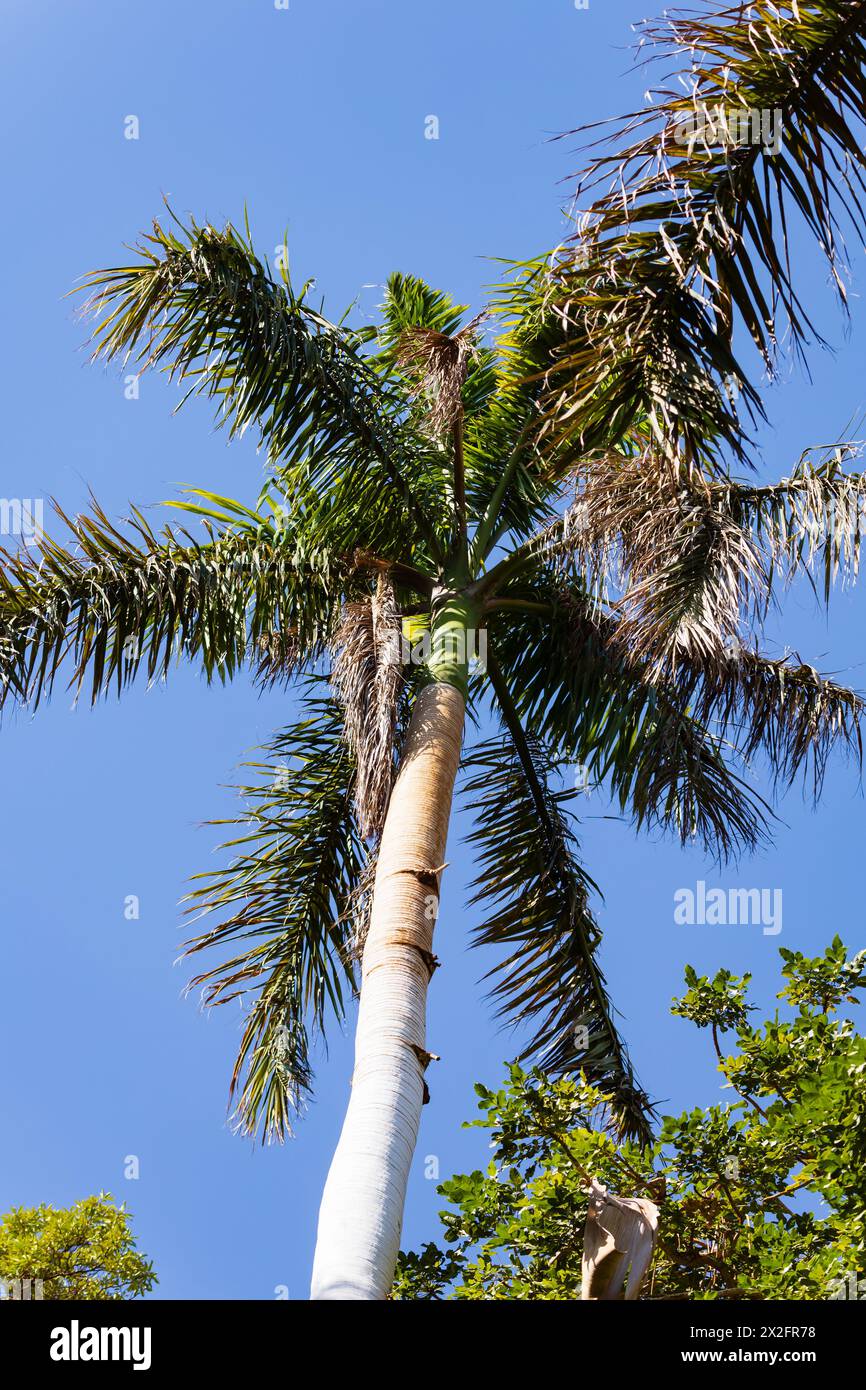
(86, 1251)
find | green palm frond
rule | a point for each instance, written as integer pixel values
(536, 893)
(442, 371)
(666, 765)
(118, 602)
(690, 231)
(679, 778)
(512, 467)
(202, 305)
(411, 303)
(578, 689)
(286, 902)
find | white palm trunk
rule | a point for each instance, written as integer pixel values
(361, 1215)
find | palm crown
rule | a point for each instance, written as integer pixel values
(385, 495)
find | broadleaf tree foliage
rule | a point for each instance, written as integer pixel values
(86, 1251)
(759, 1197)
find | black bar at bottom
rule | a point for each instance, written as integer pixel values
(85, 1340)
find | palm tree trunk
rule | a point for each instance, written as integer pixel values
(361, 1215)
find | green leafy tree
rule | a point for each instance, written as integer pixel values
(559, 489)
(760, 1197)
(83, 1251)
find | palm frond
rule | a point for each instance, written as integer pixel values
(690, 230)
(285, 902)
(666, 766)
(202, 305)
(118, 602)
(812, 520)
(510, 479)
(688, 562)
(434, 367)
(409, 304)
(537, 893)
(669, 745)
(679, 777)
(688, 571)
(782, 708)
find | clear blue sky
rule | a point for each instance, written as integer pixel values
(315, 118)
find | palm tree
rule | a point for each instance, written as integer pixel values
(430, 496)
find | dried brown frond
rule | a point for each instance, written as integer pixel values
(688, 561)
(439, 365)
(683, 570)
(814, 518)
(693, 575)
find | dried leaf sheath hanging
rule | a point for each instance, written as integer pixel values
(367, 677)
(439, 364)
(618, 1245)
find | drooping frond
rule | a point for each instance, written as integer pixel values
(689, 234)
(367, 674)
(537, 892)
(118, 602)
(284, 902)
(680, 777)
(689, 570)
(666, 766)
(782, 708)
(536, 899)
(688, 563)
(576, 686)
(813, 520)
